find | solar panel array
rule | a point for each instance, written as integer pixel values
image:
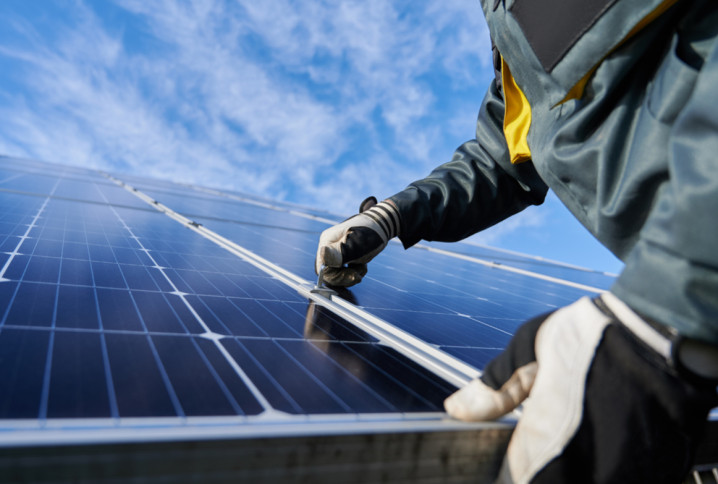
(128, 302)
(468, 310)
(137, 310)
(113, 310)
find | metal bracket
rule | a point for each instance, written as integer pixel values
(320, 288)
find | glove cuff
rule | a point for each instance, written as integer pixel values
(386, 215)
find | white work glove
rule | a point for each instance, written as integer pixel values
(606, 401)
(346, 248)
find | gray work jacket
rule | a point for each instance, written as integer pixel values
(614, 105)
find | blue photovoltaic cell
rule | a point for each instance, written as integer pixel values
(161, 188)
(96, 189)
(246, 214)
(409, 276)
(71, 308)
(33, 305)
(138, 377)
(339, 380)
(110, 311)
(22, 354)
(562, 271)
(29, 183)
(77, 380)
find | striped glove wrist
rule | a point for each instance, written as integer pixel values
(346, 248)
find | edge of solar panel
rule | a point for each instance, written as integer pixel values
(73, 435)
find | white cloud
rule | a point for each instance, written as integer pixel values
(267, 97)
(319, 102)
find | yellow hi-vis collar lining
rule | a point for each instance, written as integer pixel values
(517, 117)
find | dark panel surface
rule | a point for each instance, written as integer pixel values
(114, 312)
(579, 275)
(23, 356)
(78, 377)
(445, 301)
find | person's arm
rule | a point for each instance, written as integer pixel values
(476, 189)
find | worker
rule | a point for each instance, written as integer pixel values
(613, 104)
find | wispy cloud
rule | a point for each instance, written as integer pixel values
(319, 102)
(309, 101)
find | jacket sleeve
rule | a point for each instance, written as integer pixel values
(476, 189)
(671, 274)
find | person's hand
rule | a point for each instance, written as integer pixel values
(346, 248)
(605, 401)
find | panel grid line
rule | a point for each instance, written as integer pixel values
(354, 378)
(263, 370)
(42, 412)
(249, 318)
(504, 267)
(452, 369)
(158, 361)
(175, 335)
(109, 383)
(174, 312)
(392, 378)
(132, 264)
(488, 263)
(163, 372)
(32, 225)
(247, 381)
(227, 394)
(257, 203)
(316, 380)
(24, 237)
(45, 396)
(12, 177)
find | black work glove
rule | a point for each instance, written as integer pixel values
(605, 403)
(346, 248)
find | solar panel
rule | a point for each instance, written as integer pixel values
(132, 318)
(144, 311)
(467, 310)
(580, 276)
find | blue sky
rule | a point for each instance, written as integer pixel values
(320, 103)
